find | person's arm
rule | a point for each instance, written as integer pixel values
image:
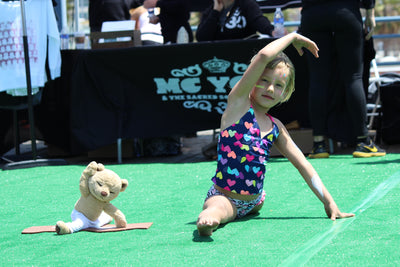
(150, 3)
(256, 19)
(238, 99)
(134, 3)
(218, 5)
(288, 148)
(208, 26)
(369, 24)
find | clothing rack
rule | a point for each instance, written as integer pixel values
(35, 162)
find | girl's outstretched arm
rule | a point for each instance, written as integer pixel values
(288, 148)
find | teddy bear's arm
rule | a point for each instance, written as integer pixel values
(118, 216)
(90, 170)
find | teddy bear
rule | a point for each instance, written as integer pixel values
(98, 187)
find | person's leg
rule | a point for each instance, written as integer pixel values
(350, 45)
(217, 209)
(320, 70)
(315, 24)
(349, 42)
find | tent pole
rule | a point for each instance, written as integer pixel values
(28, 81)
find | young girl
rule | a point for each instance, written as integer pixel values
(247, 134)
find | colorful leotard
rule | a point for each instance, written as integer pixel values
(243, 154)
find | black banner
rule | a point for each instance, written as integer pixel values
(158, 91)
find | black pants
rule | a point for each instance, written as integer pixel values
(337, 29)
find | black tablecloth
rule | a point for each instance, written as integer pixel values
(151, 91)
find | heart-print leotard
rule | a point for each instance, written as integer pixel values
(243, 154)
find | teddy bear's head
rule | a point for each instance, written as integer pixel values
(105, 185)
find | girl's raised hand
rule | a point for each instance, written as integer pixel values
(300, 41)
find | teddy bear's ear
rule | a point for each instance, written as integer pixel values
(124, 185)
(100, 167)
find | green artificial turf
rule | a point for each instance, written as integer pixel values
(291, 229)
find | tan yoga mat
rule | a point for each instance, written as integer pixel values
(105, 228)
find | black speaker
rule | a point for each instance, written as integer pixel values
(390, 98)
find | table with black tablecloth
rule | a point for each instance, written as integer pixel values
(151, 91)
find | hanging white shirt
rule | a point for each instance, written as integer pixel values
(41, 24)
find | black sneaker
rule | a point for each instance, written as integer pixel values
(363, 150)
(319, 151)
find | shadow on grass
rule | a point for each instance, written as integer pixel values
(255, 216)
(290, 218)
(199, 238)
(362, 161)
(379, 162)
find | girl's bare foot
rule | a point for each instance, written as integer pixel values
(206, 225)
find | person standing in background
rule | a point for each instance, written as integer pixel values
(336, 26)
(109, 10)
(232, 19)
(174, 14)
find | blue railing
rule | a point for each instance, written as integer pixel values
(388, 36)
(377, 20)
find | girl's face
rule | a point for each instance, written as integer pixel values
(270, 87)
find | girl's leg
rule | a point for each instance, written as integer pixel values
(216, 210)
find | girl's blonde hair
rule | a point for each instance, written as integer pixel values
(283, 58)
